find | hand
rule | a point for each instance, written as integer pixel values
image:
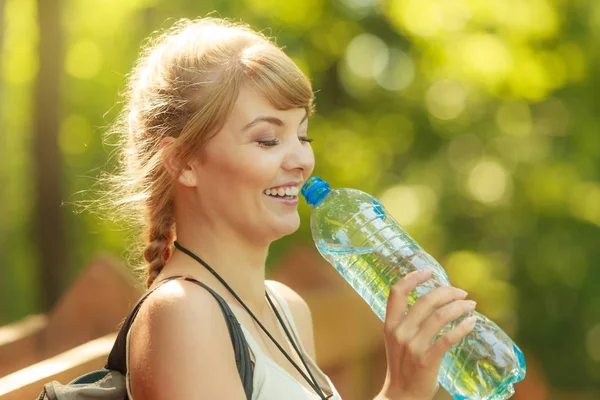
(413, 358)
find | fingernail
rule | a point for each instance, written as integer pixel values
(462, 292)
(419, 272)
(470, 321)
(471, 303)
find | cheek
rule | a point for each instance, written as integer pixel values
(247, 177)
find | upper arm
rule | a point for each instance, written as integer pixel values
(302, 316)
(180, 348)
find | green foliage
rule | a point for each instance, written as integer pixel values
(475, 122)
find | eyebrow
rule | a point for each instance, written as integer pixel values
(271, 120)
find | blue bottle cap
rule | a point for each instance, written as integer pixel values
(314, 190)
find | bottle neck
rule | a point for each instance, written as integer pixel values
(320, 195)
(315, 190)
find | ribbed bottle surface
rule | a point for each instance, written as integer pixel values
(352, 231)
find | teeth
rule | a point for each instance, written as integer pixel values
(289, 191)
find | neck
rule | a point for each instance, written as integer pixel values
(238, 262)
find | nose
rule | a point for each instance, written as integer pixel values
(299, 156)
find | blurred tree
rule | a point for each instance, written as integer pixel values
(49, 225)
(2, 136)
(475, 121)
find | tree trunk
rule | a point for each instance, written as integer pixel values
(3, 267)
(49, 223)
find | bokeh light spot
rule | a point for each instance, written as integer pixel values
(446, 99)
(84, 59)
(410, 204)
(429, 17)
(488, 182)
(20, 59)
(367, 56)
(467, 269)
(398, 72)
(531, 79)
(419, 17)
(486, 57)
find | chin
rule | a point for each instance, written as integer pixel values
(286, 228)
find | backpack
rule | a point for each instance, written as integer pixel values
(109, 383)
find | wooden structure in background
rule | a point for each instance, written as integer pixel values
(28, 382)
(78, 334)
(94, 306)
(19, 343)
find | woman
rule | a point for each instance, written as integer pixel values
(215, 149)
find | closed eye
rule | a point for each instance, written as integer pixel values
(268, 143)
(305, 139)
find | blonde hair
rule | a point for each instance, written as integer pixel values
(184, 86)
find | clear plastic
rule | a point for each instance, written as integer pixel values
(352, 231)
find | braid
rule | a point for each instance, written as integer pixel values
(160, 237)
(184, 86)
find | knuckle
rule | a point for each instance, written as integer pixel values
(397, 289)
(437, 296)
(439, 315)
(459, 307)
(421, 361)
(446, 341)
(412, 350)
(426, 301)
(388, 330)
(400, 339)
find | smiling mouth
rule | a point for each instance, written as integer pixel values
(288, 193)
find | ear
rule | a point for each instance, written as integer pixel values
(184, 173)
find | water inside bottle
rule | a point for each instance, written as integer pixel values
(480, 367)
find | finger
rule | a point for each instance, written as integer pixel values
(440, 318)
(398, 297)
(427, 304)
(449, 339)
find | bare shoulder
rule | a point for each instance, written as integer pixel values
(301, 313)
(179, 347)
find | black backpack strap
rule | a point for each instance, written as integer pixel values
(117, 357)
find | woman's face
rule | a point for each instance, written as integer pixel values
(249, 174)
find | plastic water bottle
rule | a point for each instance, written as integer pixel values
(352, 231)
